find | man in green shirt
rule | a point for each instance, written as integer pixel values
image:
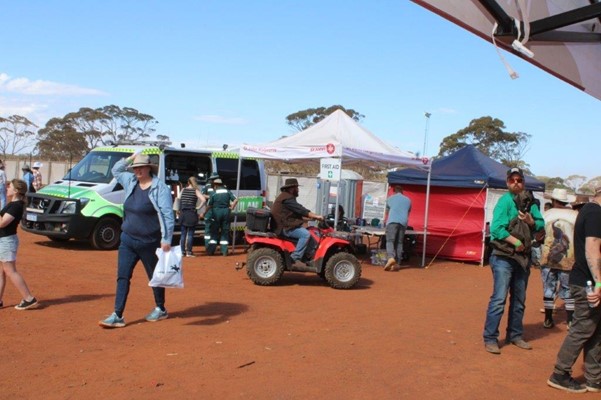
(510, 268)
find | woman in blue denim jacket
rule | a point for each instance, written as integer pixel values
(147, 224)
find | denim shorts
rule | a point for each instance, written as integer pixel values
(8, 248)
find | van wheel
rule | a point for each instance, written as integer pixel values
(106, 234)
(265, 266)
(343, 271)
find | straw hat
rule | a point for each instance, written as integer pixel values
(143, 160)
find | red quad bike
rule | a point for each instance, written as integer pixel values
(330, 254)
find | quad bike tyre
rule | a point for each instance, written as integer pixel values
(342, 271)
(265, 266)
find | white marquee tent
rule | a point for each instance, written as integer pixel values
(338, 136)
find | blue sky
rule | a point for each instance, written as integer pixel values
(214, 72)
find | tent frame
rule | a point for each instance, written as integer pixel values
(544, 29)
(425, 233)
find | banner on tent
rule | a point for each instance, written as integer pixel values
(374, 207)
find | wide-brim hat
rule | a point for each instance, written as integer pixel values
(218, 181)
(562, 195)
(25, 167)
(580, 200)
(143, 160)
(290, 182)
(37, 164)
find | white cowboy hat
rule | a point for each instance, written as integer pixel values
(562, 195)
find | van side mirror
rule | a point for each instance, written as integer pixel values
(201, 178)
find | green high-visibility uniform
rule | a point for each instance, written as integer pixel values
(208, 191)
(220, 202)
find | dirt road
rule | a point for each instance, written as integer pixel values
(415, 333)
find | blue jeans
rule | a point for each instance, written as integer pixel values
(187, 237)
(550, 278)
(303, 237)
(508, 277)
(130, 252)
(2, 196)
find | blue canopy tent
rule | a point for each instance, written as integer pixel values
(463, 186)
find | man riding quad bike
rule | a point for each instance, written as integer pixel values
(329, 253)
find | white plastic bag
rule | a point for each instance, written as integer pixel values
(168, 271)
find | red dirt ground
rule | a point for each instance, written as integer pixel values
(415, 333)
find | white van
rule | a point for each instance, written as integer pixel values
(88, 202)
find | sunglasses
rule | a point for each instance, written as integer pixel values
(515, 180)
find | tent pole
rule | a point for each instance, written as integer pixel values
(426, 216)
(484, 230)
(237, 196)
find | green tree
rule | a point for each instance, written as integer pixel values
(16, 134)
(575, 182)
(60, 140)
(301, 120)
(126, 124)
(488, 135)
(552, 183)
(589, 187)
(96, 127)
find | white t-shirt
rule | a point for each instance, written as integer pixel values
(558, 248)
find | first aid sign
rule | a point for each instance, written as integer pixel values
(330, 169)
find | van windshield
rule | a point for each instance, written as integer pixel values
(95, 167)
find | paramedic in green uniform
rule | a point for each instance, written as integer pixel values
(221, 203)
(207, 191)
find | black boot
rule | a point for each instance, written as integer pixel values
(548, 324)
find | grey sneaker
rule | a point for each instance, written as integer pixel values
(593, 386)
(156, 315)
(565, 382)
(113, 321)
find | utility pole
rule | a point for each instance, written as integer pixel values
(427, 115)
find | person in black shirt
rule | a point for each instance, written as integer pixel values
(191, 200)
(585, 333)
(10, 216)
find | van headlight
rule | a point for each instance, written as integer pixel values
(70, 206)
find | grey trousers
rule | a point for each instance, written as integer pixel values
(395, 235)
(584, 334)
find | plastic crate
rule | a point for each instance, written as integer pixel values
(379, 257)
(257, 219)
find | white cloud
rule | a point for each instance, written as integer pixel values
(25, 86)
(17, 107)
(219, 119)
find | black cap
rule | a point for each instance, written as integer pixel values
(515, 170)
